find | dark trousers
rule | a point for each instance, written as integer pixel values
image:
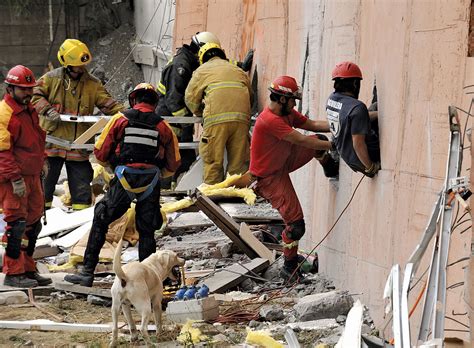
(79, 175)
(116, 203)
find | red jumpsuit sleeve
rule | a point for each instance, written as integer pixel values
(107, 142)
(9, 132)
(172, 158)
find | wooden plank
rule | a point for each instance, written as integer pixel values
(224, 222)
(232, 276)
(184, 119)
(79, 289)
(93, 130)
(254, 243)
(48, 325)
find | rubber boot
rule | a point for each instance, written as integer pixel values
(288, 273)
(84, 278)
(19, 281)
(42, 281)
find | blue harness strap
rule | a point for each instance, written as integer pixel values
(133, 191)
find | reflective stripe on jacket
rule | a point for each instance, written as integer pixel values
(221, 92)
(57, 90)
(22, 140)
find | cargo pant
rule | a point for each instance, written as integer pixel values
(22, 215)
(279, 191)
(232, 137)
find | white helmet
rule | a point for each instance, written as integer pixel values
(205, 37)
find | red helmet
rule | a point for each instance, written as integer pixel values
(21, 76)
(142, 87)
(346, 70)
(285, 86)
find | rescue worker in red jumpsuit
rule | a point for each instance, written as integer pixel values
(277, 149)
(141, 148)
(22, 156)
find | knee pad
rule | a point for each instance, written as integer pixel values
(297, 229)
(14, 234)
(101, 216)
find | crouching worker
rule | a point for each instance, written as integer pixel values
(22, 143)
(350, 121)
(278, 149)
(141, 148)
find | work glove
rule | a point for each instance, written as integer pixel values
(19, 187)
(52, 115)
(248, 60)
(45, 169)
(372, 170)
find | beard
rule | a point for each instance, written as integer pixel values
(22, 101)
(285, 110)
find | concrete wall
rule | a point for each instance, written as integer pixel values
(417, 53)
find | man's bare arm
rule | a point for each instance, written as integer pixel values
(316, 126)
(360, 148)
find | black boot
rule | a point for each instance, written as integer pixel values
(330, 166)
(289, 272)
(19, 281)
(42, 281)
(84, 278)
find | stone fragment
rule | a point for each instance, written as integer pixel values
(13, 297)
(324, 305)
(272, 313)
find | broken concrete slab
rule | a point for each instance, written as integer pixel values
(193, 220)
(260, 212)
(231, 276)
(13, 297)
(79, 289)
(324, 305)
(59, 221)
(68, 240)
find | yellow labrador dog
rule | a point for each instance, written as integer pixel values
(140, 284)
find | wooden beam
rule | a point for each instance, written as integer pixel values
(247, 236)
(93, 130)
(232, 276)
(79, 289)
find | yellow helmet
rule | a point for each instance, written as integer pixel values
(73, 52)
(206, 48)
(205, 37)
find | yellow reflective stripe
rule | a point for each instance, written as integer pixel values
(5, 116)
(223, 84)
(180, 112)
(161, 88)
(233, 61)
(290, 245)
(225, 117)
(48, 204)
(79, 206)
(106, 130)
(127, 186)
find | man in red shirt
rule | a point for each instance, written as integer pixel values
(278, 149)
(22, 156)
(141, 148)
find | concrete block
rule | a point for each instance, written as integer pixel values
(13, 297)
(272, 313)
(324, 305)
(202, 309)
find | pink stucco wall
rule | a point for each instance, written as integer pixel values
(417, 53)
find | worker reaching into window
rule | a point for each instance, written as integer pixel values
(277, 150)
(141, 148)
(70, 90)
(350, 121)
(221, 93)
(22, 143)
(174, 80)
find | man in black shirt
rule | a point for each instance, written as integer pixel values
(350, 122)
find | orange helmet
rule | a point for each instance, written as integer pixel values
(346, 70)
(285, 86)
(21, 76)
(145, 87)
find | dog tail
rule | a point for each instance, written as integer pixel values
(117, 265)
